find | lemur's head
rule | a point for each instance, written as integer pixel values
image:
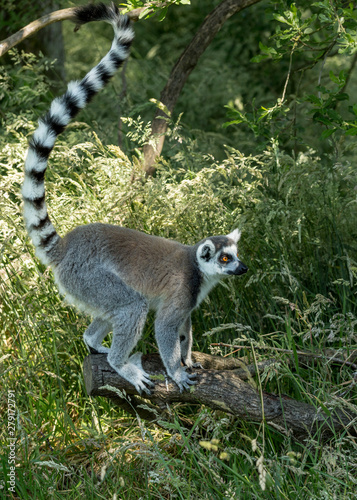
(217, 256)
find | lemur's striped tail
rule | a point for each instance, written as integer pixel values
(62, 110)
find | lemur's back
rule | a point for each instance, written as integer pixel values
(148, 264)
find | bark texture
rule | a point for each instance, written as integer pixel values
(219, 388)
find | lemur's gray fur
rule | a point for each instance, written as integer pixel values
(114, 273)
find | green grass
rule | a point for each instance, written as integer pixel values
(71, 446)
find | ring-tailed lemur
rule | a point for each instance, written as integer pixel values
(114, 273)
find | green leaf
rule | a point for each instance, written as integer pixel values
(327, 133)
(162, 14)
(342, 96)
(333, 115)
(281, 19)
(144, 13)
(233, 122)
(322, 119)
(267, 50)
(334, 78)
(351, 131)
(314, 99)
(259, 58)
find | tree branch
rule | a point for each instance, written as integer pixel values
(220, 389)
(182, 69)
(52, 17)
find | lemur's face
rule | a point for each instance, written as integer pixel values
(218, 256)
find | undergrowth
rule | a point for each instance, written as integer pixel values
(297, 216)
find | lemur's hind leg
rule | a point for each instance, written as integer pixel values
(128, 324)
(125, 311)
(95, 334)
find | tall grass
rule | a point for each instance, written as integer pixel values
(299, 241)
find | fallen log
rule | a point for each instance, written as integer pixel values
(221, 388)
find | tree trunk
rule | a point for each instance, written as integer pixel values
(182, 69)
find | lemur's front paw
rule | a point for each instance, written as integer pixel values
(190, 364)
(183, 379)
(134, 373)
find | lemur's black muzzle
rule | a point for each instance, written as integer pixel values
(241, 269)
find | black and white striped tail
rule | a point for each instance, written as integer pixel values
(62, 110)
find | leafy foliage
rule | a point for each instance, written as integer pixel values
(154, 7)
(307, 36)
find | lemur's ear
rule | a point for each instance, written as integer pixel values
(206, 251)
(234, 235)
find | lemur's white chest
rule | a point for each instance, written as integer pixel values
(208, 283)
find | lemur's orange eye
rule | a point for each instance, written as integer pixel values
(225, 259)
(238, 255)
